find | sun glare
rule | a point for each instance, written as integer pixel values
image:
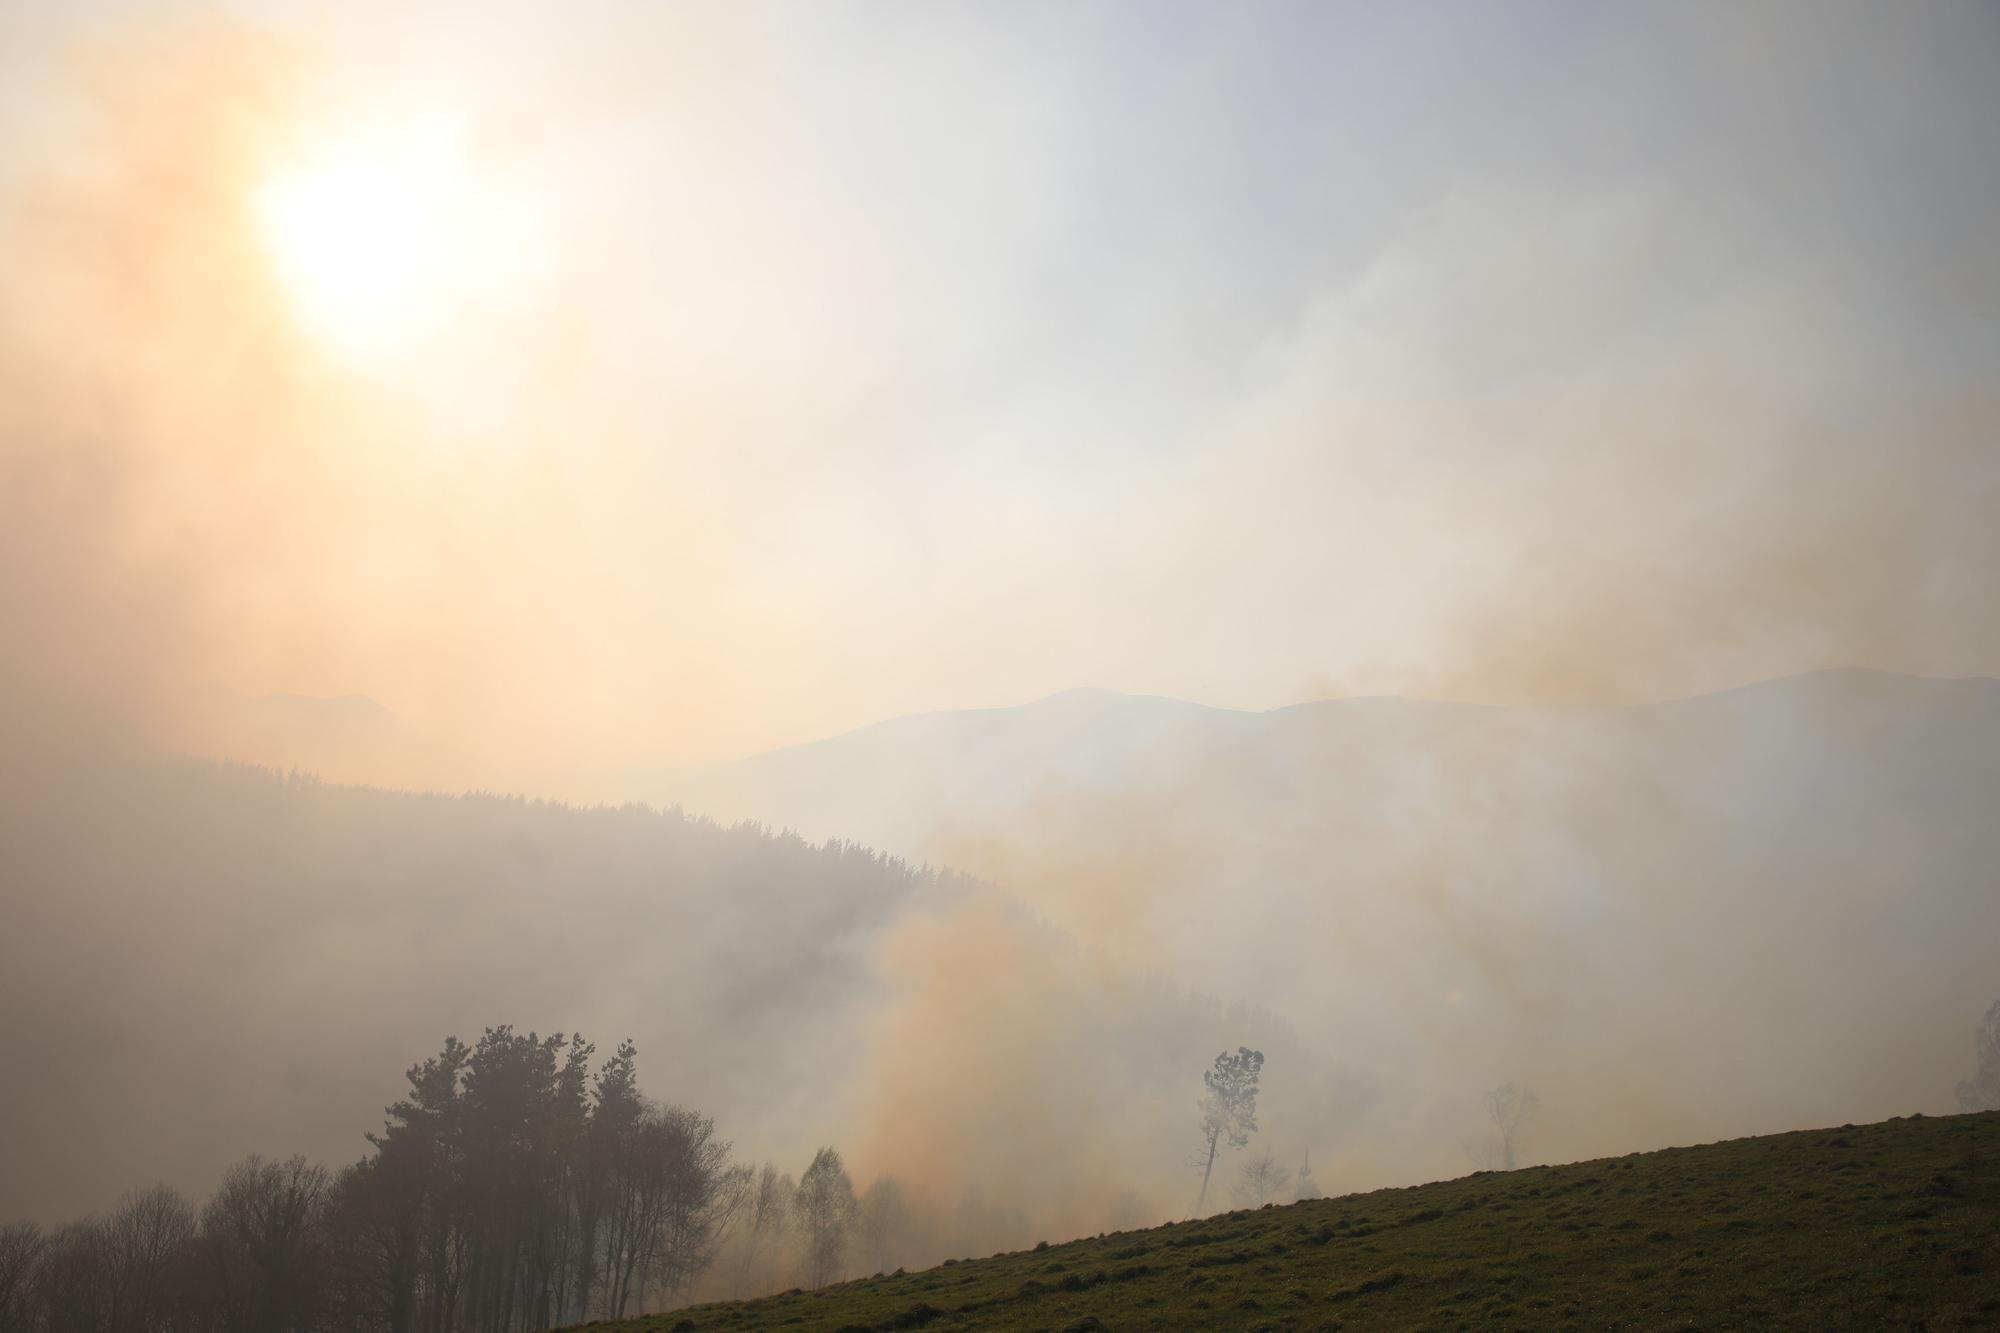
(383, 240)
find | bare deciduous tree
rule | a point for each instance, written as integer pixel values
(885, 1224)
(1981, 1092)
(1262, 1179)
(263, 1241)
(1510, 1109)
(763, 1218)
(699, 1192)
(21, 1246)
(1228, 1109)
(72, 1279)
(1305, 1187)
(824, 1211)
(148, 1241)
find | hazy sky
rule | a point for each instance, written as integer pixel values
(639, 384)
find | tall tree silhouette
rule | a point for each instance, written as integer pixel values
(824, 1209)
(1228, 1108)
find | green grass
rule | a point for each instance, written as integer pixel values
(1895, 1225)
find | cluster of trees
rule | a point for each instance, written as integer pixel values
(519, 1185)
(818, 1230)
(514, 1188)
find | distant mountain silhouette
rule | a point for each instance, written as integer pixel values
(905, 782)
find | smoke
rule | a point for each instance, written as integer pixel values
(178, 479)
(822, 372)
(862, 363)
(1676, 923)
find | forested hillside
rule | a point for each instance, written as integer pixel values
(321, 936)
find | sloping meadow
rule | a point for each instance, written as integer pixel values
(1892, 1224)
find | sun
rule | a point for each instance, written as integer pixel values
(384, 239)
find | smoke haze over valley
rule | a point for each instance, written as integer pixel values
(1786, 889)
(600, 523)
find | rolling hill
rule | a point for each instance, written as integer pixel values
(1887, 1225)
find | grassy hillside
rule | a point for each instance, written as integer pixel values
(1888, 1225)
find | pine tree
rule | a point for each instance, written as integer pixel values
(1228, 1109)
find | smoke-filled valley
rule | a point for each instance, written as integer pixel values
(1787, 888)
(1402, 905)
(791, 990)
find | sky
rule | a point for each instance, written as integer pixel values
(629, 385)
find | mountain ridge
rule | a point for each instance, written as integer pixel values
(1101, 695)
